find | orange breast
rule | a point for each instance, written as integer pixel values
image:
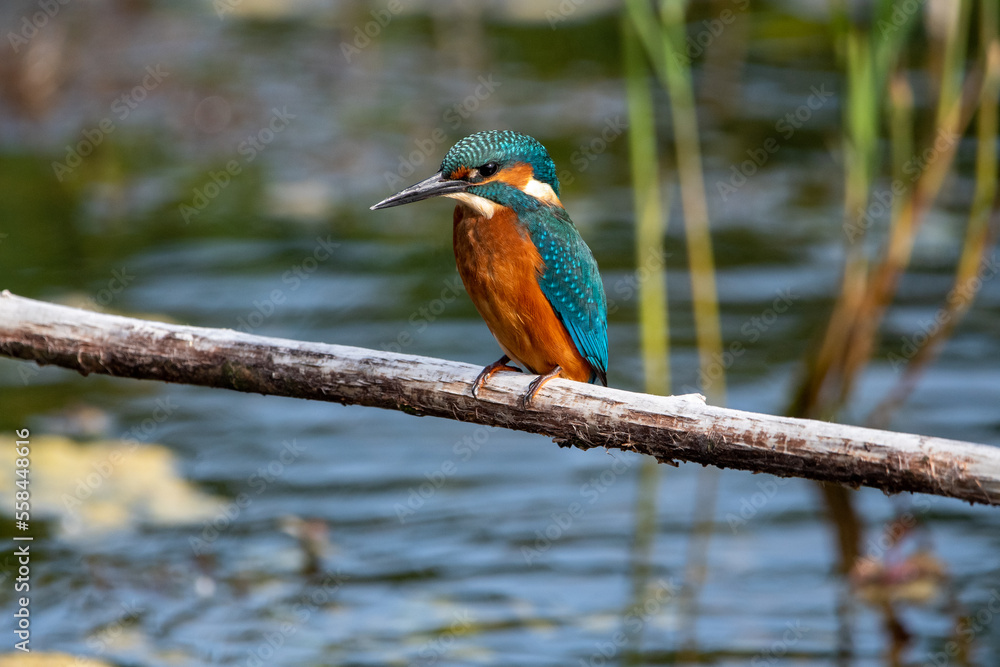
(500, 267)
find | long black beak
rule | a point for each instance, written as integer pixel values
(434, 186)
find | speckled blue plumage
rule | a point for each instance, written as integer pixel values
(572, 283)
(502, 146)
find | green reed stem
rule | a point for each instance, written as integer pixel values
(979, 236)
(693, 201)
(956, 28)
(651, 220)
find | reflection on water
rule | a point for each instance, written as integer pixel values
(216, 170)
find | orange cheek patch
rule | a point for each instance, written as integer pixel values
(459, 173)
(517, 174)
(522, 177)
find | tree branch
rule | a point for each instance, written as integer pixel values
(670, 428)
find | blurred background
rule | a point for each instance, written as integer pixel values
(793, 208)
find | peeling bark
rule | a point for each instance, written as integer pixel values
(669, 428)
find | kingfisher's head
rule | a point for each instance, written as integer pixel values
(487, 171)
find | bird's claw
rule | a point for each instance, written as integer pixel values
(536, 386)
(488, 372)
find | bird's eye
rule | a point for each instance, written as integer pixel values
(488, 169)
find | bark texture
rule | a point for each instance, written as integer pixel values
(669, 428)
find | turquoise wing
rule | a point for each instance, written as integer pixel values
(572, 284)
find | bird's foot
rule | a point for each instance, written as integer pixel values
(498, 365)
(536, 386)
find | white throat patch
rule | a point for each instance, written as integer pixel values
(542, 192)
(480, 205)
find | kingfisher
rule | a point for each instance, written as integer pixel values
(525, 266)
